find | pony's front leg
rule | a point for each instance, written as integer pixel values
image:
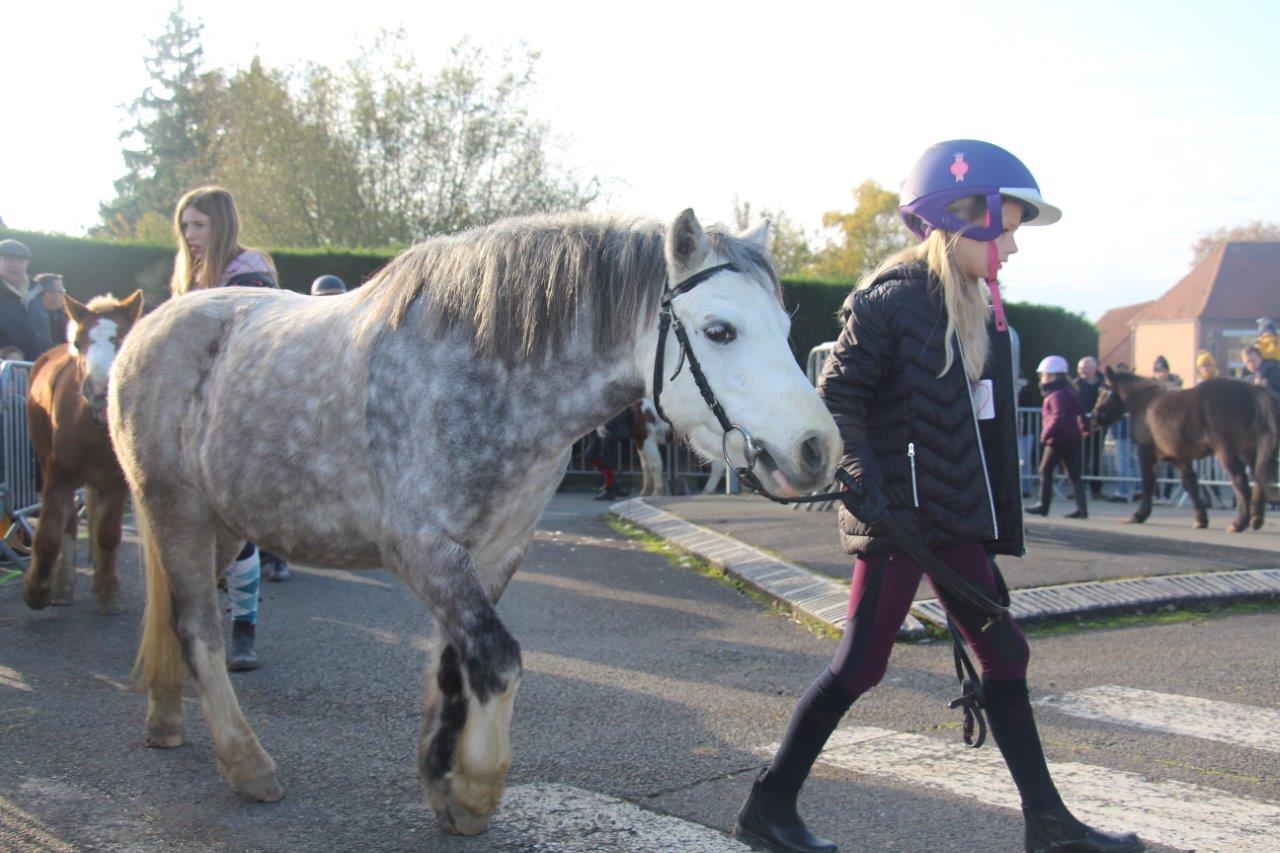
(1191, 484)
(40, 587)
(1147, 462)
(465, 746)
(106, 515)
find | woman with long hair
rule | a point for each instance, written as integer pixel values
(921, 384)
(207, 229)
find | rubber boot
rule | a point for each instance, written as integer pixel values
(1082, 508)
(274, 568)
(1056, 830)
(760, 833)
(1046, 495)
(242, 657)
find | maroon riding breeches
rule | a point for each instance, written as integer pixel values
(883, 588)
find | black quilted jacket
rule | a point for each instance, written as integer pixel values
(948, 477)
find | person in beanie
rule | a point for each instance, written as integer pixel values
(1160, 372)
(207, 229)
(17, 338)
(920, 384)
(1062, 426)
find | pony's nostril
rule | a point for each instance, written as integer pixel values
(812, 455)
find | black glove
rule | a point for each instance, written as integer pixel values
(863, 498)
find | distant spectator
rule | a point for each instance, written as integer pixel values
(328, 285)
(1268, 342)
(1262, 371)
(1160, 371)
(1088, 384)
(46, 311)
(1206, 366)
(1061, 428)
(16, 336)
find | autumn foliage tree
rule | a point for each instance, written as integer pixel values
(862, 237)
(1257, 231)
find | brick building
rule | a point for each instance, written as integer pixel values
(1214, 307)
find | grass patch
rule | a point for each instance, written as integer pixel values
(682, 559)
(1164, 616)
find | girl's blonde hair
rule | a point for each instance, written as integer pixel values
(967, 304)
(190, 273)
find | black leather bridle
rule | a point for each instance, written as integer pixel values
(853, 495)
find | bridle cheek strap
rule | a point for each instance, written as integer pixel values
(993, 283)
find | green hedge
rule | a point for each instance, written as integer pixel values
(93, 266)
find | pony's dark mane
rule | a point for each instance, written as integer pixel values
(524, 287)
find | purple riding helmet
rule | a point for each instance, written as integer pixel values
(958, 168)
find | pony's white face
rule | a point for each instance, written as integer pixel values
(95, 333)
(738, 332)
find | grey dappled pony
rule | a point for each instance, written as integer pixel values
(422, 423)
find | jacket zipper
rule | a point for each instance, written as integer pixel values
(982, 456)
(911, 454)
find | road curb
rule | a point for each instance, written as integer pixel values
(804, 591)
(821, 598)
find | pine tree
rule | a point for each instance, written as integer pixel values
(168, 147)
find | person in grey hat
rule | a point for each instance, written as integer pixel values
(17, 340)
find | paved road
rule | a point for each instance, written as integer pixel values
(651, 695)
(1058, 550)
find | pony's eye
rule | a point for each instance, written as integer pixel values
(720, 333)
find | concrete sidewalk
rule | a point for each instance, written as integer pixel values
(1072, 568)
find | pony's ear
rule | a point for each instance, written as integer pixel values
(758, 233)
(1111, 374)
(76, 311)
(686, 245)
(131, 305)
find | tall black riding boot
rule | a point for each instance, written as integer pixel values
(242, 657)
(1046, 495)
(769, 819)
(1050, 827)
(1082, 508)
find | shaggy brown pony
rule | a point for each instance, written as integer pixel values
(67, 419)
(1235, 421)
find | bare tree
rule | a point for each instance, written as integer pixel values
(1258, 231)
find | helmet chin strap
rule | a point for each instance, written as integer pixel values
(993, 282)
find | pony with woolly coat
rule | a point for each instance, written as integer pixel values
(1235, 421)
(67, 422)
(344, 432)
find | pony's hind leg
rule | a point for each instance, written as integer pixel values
(183, 624)
(1264, 471)
(464, 748)
(40, 587)
(106, 515)
(1234, 466)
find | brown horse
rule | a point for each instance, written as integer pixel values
(67, 419)
(1233, 420)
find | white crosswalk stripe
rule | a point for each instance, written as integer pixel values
(1173, 813)
(562, 818)
(1189, 716)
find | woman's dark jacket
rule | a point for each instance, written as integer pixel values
(882, 386)
(1061, 416)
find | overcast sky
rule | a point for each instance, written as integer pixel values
(1148, 124)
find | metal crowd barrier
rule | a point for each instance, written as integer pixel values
(684, 472)
(19, 486)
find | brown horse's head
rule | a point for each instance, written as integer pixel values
(95, 333)
(1118, 396)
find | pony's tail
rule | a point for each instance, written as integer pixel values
(159, 661)
(1268, 424)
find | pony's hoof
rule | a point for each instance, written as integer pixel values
(1201, 523)
(36, 599)
(1234, 528)
(1133, 519)
(262, 788)
(111, 605)
(1256, 524)
(459, 820)
(166, 738)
